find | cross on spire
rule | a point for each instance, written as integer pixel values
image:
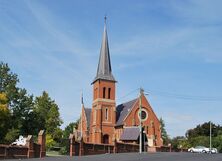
(82, 102)
(105, 18)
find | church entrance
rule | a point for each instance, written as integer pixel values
(106, 139)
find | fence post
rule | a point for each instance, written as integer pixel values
(30, 145)
(72, 145)
(41, 142)
(81, 147)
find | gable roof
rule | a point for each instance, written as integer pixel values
(88, 116)
(130, 133)
(122, 111)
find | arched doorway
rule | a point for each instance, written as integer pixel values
(106, 139)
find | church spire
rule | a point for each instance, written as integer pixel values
(104, 70)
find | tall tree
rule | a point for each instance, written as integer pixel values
(48, 112)
(8, 82)
(164, 134)
(18, 101)
(4, 116)
(22, 112)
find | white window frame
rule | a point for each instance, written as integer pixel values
(143, 109)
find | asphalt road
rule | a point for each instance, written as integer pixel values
(138, 157)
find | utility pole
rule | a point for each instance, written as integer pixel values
(140, 114)
(210, 136)
(82, 114)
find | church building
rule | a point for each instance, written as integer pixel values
(105, 121)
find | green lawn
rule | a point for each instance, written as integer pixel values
(53, 153)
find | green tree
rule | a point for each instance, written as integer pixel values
(53, 120)
(4, 116)
(48, 112)
(175, 142)
(11, 135)
(64, 144)
(217, 143)
(50, 142)
(18, 101)
(57, 134)
(22, 113)
(164, 135)
(69, 129)
(8, 82)
(200, 140)
(203, 130)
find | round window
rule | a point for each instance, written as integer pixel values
(144, 114)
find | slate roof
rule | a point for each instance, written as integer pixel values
(88, 116)
(104, 70)
(130, 133)
(122, 110)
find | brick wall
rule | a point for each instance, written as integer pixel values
(92, 149)
(79, 148)
(126, 148)
(7, 151)
(166, 149)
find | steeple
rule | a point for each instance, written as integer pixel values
(104, 70)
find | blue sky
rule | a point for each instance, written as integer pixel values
(170, 48)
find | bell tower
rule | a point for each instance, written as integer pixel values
(104, 105)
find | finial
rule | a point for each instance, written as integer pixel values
(82, 98)
(105, 18)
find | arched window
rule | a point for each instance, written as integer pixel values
(104, 92)
(109, 92)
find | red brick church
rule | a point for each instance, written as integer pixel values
(106, 121)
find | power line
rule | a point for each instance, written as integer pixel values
(184, 96)
(124, 96)
(175, 96)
